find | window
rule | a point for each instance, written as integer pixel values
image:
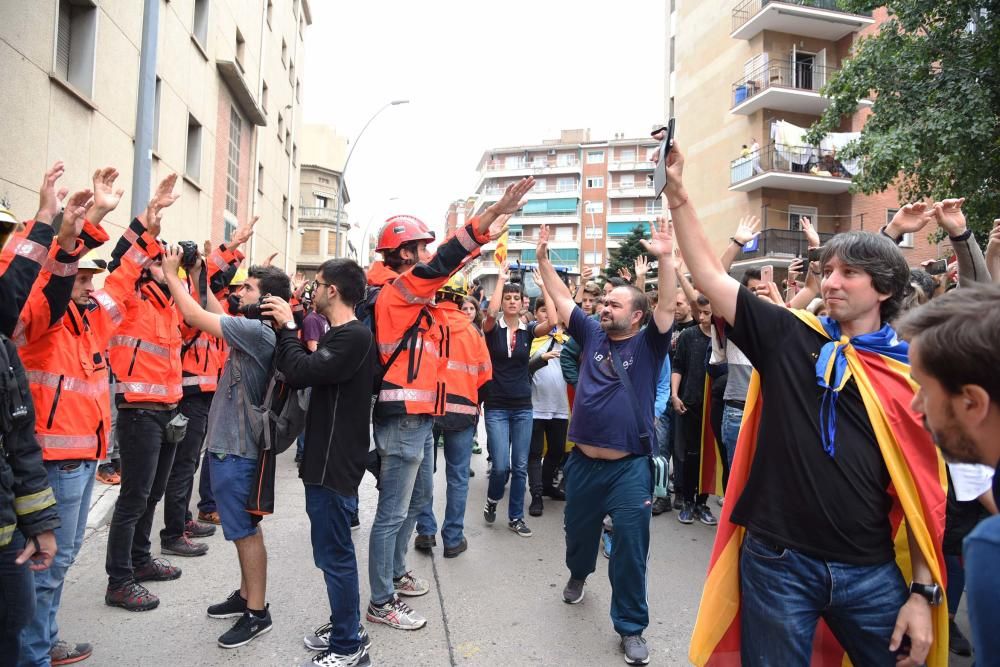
(284, 54)
(626, 206)
(594, 232)
(541, 185)
(321, 201)
(654, 207)
(594, 207)
(241, 49)
(595, 157)
(263, 95)
(564, 233)
(907, 241)
(626, 181)
(199, 27)
(512, 162)
(592, 258)
(626, 155)
(284, 208)
(260, 178)
(270, 12)
(595, 182)
(228, 226)
(539, 161)
(797, 212)
(76, 43)
(565, 159)
(233, 166)
(310, 242)
(192, 163)
(156, 112)
(323, 179)
(565, 184)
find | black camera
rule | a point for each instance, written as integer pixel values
(253, 311)
(190, 256)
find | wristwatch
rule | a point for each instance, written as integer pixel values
(931, 592)
(290, 325)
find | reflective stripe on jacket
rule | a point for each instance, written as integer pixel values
(467, 368)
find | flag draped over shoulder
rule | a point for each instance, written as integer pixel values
(710, 465)
(918, 486)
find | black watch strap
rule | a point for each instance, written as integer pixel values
(930, 592)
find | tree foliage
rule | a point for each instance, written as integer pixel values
(624, 256)
(932, 70)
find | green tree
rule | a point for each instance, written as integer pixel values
(932, 72)
(624, 256)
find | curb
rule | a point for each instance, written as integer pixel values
(102, 503)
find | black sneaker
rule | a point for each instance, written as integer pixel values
(705, 515)
(355, 521)
(490, 511)
(452, 552)
(233, 606)
(198, 529)
(330, 658)
(678, 502)
(246, 629)
(573, 592)
(182, 546)
(555, 493)
(157, 569)
(319, 640)
(131, 596)
(519, 527)
(957, 642)
(661, 506)
(536, 507)
(424, 542)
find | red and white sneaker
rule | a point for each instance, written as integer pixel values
(396, 614)
(411, 586)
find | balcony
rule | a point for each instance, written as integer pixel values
(615, 215)
(631, 190)
(783, 87)
(495, 192)
(630, 165)
(321, 214)
(536, 167)
(822, 19)
(798, 168)
(780, 244)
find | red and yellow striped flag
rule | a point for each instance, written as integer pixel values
(710, 466)
(500, 254)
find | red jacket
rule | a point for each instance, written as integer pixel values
(467, 368)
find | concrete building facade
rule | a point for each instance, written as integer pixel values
(736, 80)
(590, 194)
(226, 108)
(320, 237)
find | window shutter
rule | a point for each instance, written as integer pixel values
(63, 40)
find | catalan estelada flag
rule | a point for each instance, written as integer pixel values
(500, 254)
(918, 490)
(710, 466)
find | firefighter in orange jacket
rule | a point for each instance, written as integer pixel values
(202, 359)
(146, 363)
(412, 391)
(64, 359)
(467, 369)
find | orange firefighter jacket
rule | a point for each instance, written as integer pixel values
(467, 367)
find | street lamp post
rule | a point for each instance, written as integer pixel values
(593, 225)
(343, 173)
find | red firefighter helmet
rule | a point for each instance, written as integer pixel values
(400, 229)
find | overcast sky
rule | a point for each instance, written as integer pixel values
(478, 75)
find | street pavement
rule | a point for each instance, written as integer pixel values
(499, 603)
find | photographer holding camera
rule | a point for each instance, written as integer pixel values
(233, 460)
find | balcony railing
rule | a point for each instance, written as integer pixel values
(635, 211)
(749, 8)
(781, 242)
(503, 165)
(499, 190)
(800, 76)
(321, 213)
(804, 160)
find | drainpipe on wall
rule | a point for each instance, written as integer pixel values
(142, 162)
(254, 195)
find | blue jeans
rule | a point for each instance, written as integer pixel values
(72, 483)
(333, 552)
(17, 600)
(622, 489)
(406, 480)
(508, 433)
(661, 427)
(956, 582)
(785, 593)
(457, 454)
(731, 419)
(981, 550)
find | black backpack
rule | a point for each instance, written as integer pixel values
(364, 310)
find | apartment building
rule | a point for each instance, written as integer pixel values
(226, 106)
(743, 84)
(590, 194)
(320, 234)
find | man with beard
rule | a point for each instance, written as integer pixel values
(955, 358)
(609, 472)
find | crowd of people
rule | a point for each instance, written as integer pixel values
(842, 532)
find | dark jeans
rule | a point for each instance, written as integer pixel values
(206, 500)
(17, 600)
(177, 497)
(956, 582)
(333, 552)
(785, 593)
(542, 475)
(687, 453)
(146, 461)
(622, 489)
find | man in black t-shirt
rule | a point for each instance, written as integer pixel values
(341, 373)
(815, 506)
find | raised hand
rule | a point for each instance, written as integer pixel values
(267, 262)
(172, 260)
(106, 197)
(625, 274)
(74, 216)
(911, 218)
(243, 232)
(499, 226)
(641, 268)
(795, 270)
(748, 228)
(587, 274)
(164, 195)
(48, 199)
(513, 196)
(950, 217)
(661, 242)
(675, 170)
(503, 273)
(993, 251)
(812, 236)
(542, 250)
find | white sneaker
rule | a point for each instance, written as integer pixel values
(411, 586)
(330, 659)
(396, 614)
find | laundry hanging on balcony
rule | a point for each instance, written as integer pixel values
(834, 142)
(790, 144)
